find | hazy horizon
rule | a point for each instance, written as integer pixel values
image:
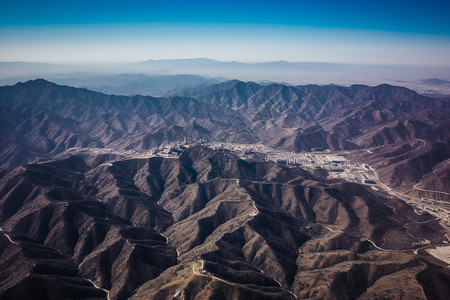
(434, 80)
(384, 33)
(347, 42)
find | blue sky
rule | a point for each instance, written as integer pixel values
(360, 32)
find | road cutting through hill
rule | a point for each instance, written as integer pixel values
(100, 288)
(199, 271)
(8, 237)
(279, 283)
(430, 191)
(365, 239)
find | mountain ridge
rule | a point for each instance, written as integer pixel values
(293, 118)
(211, 224)
(126, 223)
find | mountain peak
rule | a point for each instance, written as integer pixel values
(134, 209)
(36, 83)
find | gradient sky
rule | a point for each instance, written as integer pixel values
(357, 32)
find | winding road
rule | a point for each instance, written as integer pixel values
(199, 271)
(8, 237)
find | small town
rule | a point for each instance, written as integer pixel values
(335, 163)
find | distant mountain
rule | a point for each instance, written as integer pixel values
(127, 84)
(41, 119)
(296, 73)
(435, 81)
(204, 62)
(203, 66)
(293, 73)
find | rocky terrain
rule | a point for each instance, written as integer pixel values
(208, 224)
(406, 133)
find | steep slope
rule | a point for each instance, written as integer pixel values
(416, 167)
(55, 206)
(40, 119)
(381, 119)
(368, 115)
(207, 225)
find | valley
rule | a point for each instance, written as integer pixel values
(331, 165)
(224, 150)
(231, 191)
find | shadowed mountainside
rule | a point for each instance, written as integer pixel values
(209, 224)
(40, 119)
(206, 225)
(402, 134)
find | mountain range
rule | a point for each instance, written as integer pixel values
(209, 224)
(41, 119)
(125, 84)
(117, 78)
